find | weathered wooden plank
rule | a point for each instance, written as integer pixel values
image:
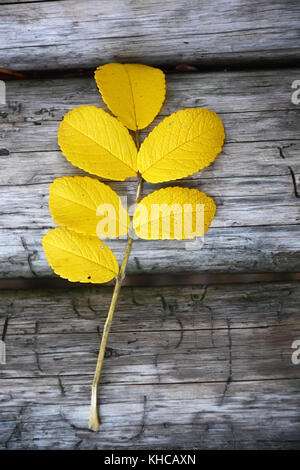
(154, 351)
(83, 310)
(75, 34)
(277, 126)
(20, 168)
(158, 357)
(232, 249)
(256, 90)
(230, 383)
(256, 415)
(255, 181)
(28, 205)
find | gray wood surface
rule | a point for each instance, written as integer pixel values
(255, 181)
(85, 33)
(201, 367)
(185, 368)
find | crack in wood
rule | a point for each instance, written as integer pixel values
(5, 326)
(36, 328)
(132, 341)
(156, 366)
(74, 426)
(181, 332)
(203, 294)
(195, 299)
(135, 302)
(91, 308)
(143, 423)
(36, 353)
(229, 378)
(61, 387)
(164, 303)
(156, 359)
(211, 314)
(16, 432)
(281, 302)
(137, 263)
(281, 153)
(75, 310)
(78, 443)
(171, 309)
(30, 254)
(99, 332)
(32, 177)
(294, 182)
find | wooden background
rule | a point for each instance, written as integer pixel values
(194, 367)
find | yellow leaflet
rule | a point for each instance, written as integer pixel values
(98, 143)
(181, 145)
(173, 213)
(133, 92)
(79, 258)
(87, 206)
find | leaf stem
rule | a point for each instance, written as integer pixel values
(94, 422)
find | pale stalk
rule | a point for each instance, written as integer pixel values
(94, 422)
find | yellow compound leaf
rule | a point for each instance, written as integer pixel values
(133, 92)
(182, 144)
(88, 206)
(173, 213)
(98, 143)
(79, 258)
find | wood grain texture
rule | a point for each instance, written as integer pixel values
(80, 34)
(255, 181)
(185, 368)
